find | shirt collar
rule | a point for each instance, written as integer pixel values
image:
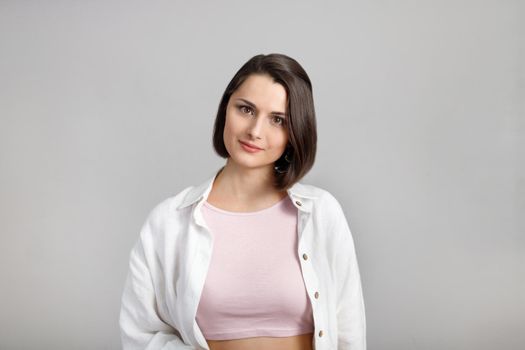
(300, 194)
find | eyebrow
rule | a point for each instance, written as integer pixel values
(255, 107)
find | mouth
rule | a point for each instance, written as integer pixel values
(249, 147)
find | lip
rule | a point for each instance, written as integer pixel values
(249, 147)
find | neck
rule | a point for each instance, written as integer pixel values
(244, 184)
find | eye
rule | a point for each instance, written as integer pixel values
(245, 109)
(280, 120)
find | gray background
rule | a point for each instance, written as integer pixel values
(107, 108)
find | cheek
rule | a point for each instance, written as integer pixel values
(232, 132)
(227, 133)
(229, 127)
(278, 143)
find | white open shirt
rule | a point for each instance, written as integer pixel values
(169, 263)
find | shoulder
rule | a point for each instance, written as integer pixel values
(326, 204)
(329, 211)
(320, 195)
(166, 208)
(162, 222)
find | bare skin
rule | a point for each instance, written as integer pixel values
(298, 342)
(221, 197)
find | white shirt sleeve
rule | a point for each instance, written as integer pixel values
(141, 326)
(351, 322)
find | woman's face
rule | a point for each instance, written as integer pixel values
(255, 114)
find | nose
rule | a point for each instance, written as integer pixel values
(256, 127)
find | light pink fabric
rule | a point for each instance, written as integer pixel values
(254, 285)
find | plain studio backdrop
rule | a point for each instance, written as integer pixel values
(107, 108)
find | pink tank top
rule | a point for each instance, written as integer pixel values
(254, 286)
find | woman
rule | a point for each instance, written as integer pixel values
(250, 258)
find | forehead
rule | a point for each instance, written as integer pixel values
(263, 91)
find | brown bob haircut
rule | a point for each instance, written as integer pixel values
(300, 112)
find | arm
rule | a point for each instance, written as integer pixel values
(351, 322)
(141, 327)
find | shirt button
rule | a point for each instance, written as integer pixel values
(305, 257)
(321, 333)
(298, 203)
(316, 295)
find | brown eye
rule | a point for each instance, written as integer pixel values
(245, 109)
(280, 120)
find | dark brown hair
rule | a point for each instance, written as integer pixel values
(301, 125)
